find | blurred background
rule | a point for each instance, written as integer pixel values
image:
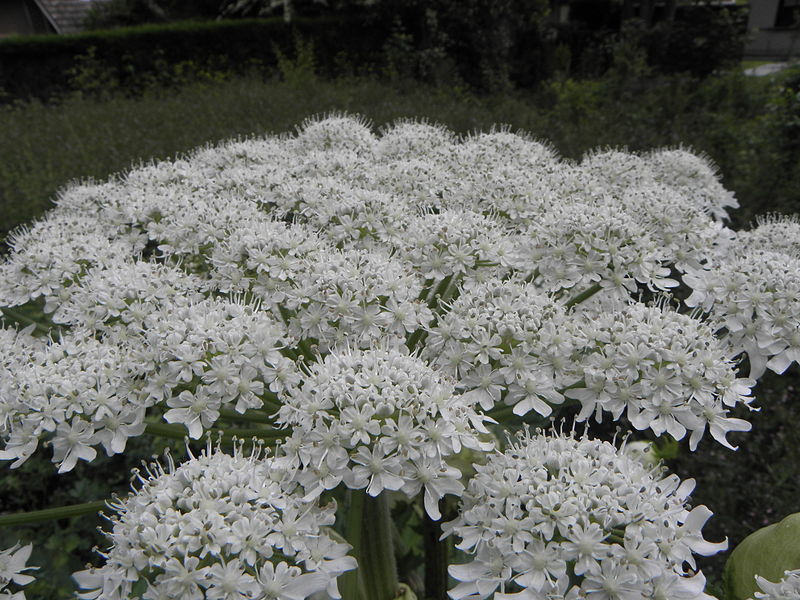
(92, 88)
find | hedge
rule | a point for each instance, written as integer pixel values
(44, 66)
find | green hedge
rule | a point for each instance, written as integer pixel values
(44, 66)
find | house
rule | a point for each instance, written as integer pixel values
(774, 27)
(26, 17)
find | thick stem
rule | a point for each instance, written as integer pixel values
(51, 514)
(436, 558)
(377, 561)
(173, 432)
(350, 584)
(369, 531)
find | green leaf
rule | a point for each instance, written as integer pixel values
(767, 552)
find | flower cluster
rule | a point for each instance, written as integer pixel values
(321, 293)
(75, 391)
(187, 288)
(12, 571)
(695, 176)
(505, 341)
(189, 359)
(53, 252)
(787, 588)
(218, 527)
(564, 517)
(753, 294)
(380, 419)
(455, 244)
(666, 371)
(379, 294)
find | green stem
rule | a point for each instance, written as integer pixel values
(450, 290)
(436, 555)
(51, 514)
(416, 338)
(350, 584)
(306, 350)
(18, 316)
(377, 561)
(272, 400)
(251, 416)
(174, 432)
(584, 295)
(178, 432)
(437, 293)
(501, 412)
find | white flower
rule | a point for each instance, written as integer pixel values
(556, 504)
(12, 571)
(788, 588)
(379, 419)
(210, 527)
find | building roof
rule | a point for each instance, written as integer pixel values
(66, 16)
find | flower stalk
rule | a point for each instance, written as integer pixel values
(369, 531)
(584, 295)
(377, 560)
(51, 514)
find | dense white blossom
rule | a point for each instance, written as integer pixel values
(190, 359)
(380, 419)
(220, 527)
(777, 233)
(664, 370)
(695, 176)
(321, 293)
(505, 341)
(375, 294)
(558, 516)
(752, 294)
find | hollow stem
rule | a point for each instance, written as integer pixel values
(51, 514)
(377, 560)
(369, 531)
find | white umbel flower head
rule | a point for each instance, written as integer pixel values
(754, 294)
(777, 233)
(334, 132)
(505, 341)
(695, 176)
(564, 517)
(380, 419)
(666, 371)
(218, 527)
(321, 293)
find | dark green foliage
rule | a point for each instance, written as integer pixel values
(702, 39)
(133, 59)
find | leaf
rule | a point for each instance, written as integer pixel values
(767, 552)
